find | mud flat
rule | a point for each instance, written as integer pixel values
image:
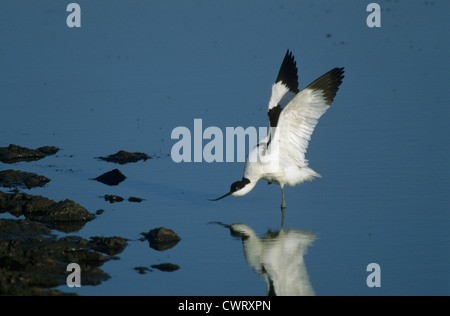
(33, 257)
(33, 261)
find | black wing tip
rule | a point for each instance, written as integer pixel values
(288, 73)
(329, 83)
(274, 115)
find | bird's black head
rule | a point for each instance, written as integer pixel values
(235, 187)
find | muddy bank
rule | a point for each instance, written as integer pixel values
(66, 216)
(14, 153)
(32, 260)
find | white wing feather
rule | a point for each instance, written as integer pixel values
(295, 126)
(280, 95)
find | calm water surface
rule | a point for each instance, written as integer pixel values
(134, 71)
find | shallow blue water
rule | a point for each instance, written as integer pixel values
(134, 71)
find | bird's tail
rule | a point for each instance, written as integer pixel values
(307, 174)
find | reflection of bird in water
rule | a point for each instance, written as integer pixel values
(278, 258)
(293, 115)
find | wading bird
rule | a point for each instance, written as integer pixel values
(293, 114)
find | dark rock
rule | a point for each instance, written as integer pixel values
(14, 153)
(48, 150)
(32, 260)
(113, 177)
(44, 210)
(14, 178)
(123, 157)
(11, 229)
(66, 215)
(113, 198)
(135, 199)
(162, 238)
(109, 245)
(166, 267)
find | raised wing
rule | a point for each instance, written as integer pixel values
(284, 89)
(299, 118)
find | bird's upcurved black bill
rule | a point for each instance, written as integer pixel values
(229, 193)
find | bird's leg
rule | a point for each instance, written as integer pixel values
(283, 207)
(283, 204)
